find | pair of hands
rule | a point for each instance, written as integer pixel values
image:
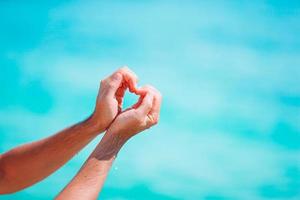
(30, 163)
(108, 114)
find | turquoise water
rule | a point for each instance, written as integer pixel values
(229, 73)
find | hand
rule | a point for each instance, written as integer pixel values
(92, 175)
(110, 97)
(141, 116)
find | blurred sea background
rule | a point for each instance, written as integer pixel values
(229, 73)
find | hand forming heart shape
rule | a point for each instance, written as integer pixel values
(111, 94)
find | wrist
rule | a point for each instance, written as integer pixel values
(109, 146)
(96, 124)
(119, 134)
(92, 126)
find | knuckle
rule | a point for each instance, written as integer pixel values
(128, 73)
(116, 76)
(107, 83)
(123, 69)
(111, 84)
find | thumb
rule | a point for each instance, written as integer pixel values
(114, 83)
(146, 104)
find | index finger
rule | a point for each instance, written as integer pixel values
(130, 77)
(146, 104)
(155, 110)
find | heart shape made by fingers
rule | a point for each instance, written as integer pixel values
(131, 100)
(127, 99)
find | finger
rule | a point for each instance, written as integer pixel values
(137, 104)
(112, 83)
(120, 95)
(146, 104)
(142, 91)
(155, 110)
(130, 77)
(154, 113)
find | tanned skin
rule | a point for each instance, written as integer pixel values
(28, 164)
(89, 181)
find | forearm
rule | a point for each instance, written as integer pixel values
(89, 181)
(30, 163)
